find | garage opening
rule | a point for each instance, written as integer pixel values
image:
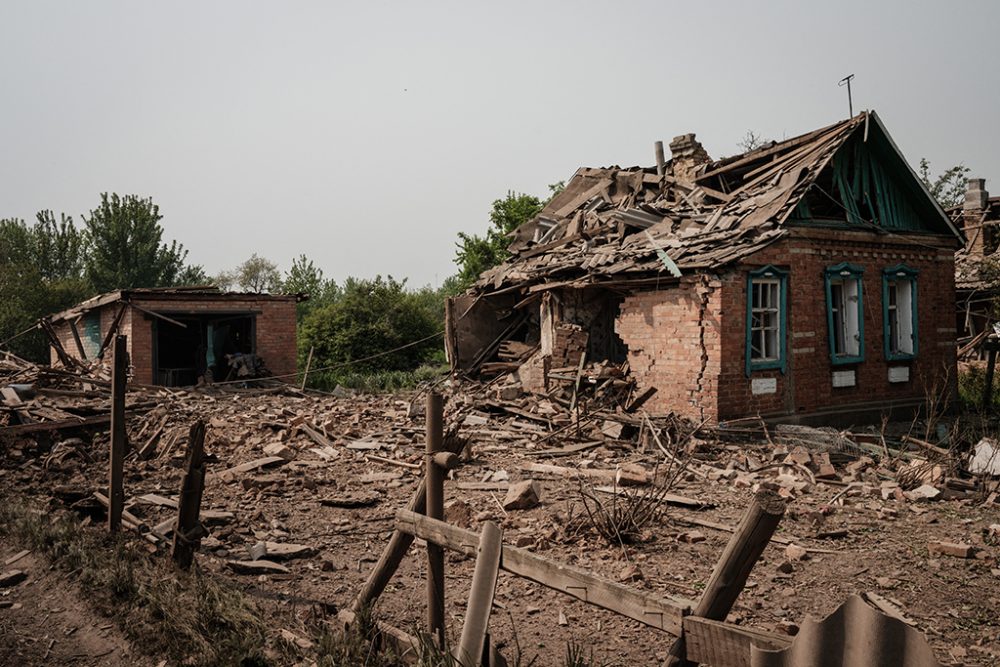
(190, 349)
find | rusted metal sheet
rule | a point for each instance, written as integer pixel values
(855, 635)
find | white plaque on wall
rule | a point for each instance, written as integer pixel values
(899, 373)
(843, 378)
(764, 386)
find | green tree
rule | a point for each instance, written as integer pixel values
(949, 186)
(58, 246)
(40, 273)
(192, 275)
(258, 274)
(476, 254)
(304, 277)
(371, 317)
(125, 246)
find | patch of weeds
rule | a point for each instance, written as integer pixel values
(361, 644)
(624, 517)
(579, 656)
(190, 617)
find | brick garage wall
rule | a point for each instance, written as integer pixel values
(673, 337)
(275, 329)
(276, 337)
(807, 385)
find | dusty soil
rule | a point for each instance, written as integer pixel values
(49, 623)
(952, 600)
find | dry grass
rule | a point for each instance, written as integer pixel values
(190, 618)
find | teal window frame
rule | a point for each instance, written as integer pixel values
(845, 271)
(781, 363)
(899, 273)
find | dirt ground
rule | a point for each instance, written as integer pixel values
(876, 545)
(48, 622)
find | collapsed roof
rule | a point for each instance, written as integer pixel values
(201, 292)
(975, 266)
(626, 226)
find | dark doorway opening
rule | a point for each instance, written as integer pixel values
(185, 355)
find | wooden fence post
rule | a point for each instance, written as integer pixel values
(734, 566)
(188, 531)
(116, 490)
(475, 637)
(435, 510)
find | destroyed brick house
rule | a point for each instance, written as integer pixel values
(180, 336)
(977, 265)
(806, 279)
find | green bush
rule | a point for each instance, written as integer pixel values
(373, 326)
(971, 382)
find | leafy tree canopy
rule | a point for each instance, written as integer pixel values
(948, 187)
(304, 277)
(125, 247)
(476, 254)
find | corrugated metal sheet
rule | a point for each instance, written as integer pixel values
(853, 636)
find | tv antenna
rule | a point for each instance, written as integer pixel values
(850, 103)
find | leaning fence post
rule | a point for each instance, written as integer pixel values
(731, 571)
(484, 582)
(116, 473)
(188, 531)
(435, 510)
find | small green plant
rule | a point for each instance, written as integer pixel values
(972, 383)
(377, 382)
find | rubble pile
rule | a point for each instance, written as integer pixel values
(303, 488)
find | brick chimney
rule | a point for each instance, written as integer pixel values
(686, 155)
(976, 197)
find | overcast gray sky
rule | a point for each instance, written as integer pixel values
(367, 134)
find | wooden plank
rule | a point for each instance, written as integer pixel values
(76, 339)
(723, 644)
(256, 464)
(668, 498)
(40, 427)
(484, 584)
(731, 571)
(660, 613)
(10, 397)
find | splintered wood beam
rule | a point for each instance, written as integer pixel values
(187, 534)
(651, 610)
(76, 339)
(733, 567)
(112, 330)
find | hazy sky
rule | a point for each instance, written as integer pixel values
(367, 134)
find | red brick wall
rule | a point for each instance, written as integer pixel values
(275, 329)
(673, 339)
(807, 385)
(689, 341)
